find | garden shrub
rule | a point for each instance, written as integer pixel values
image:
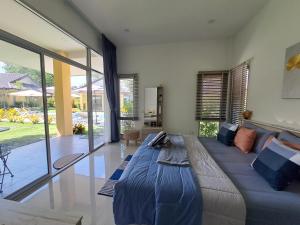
(18, 104)
(19, 119)
(50, 119)
(78, 128)
(51, 102)
(32, 104)
(12, 113)
(2, 114)
(35, 119)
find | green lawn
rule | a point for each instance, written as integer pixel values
(23, 134)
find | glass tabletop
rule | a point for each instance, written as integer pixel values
(4, 150)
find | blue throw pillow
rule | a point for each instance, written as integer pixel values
(227, 133)
(262, 135)
(287, 136)
(278, 164)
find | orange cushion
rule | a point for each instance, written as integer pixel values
(292, 145)
(244, 139)
(289, 144)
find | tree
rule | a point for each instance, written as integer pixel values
(209, 128)
(127, 107)
(35, 75)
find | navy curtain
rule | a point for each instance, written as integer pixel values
(112, 85)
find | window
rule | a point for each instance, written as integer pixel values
(239, 89)
(128, 100)
(211, 101)
(52, 94)
(22, 119)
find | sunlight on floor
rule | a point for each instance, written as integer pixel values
(75, 190)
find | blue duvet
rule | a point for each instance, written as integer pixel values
(156, 194)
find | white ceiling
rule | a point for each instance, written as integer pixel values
(161, 21)
(21, 22)
(29, 26)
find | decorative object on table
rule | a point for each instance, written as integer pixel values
(66, 160)
(153, 116)
(131, 135)
(108, 187)
(4, 153)
(291, 79)
(247, 114)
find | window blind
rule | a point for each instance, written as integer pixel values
(239, 88)
(211, 99)
(129, 92)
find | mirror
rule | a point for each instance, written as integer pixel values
(153, 107)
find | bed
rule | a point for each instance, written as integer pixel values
(265, 206)
(159, 194)
(224, 188)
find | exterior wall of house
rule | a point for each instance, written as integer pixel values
(265, 40)
(63, 99)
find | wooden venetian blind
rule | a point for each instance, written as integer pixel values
(211, 99)
(239, 87)
(129, 95)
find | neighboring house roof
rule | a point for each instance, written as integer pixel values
(98, 86)
(9, 81)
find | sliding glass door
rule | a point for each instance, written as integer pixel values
(66, 89)
(48, 109)
(98, 108)
(98, 99)
(23, 152)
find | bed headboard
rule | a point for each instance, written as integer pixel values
(275, 127)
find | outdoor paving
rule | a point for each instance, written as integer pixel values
(29, 162)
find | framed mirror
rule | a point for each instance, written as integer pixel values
(153, 107)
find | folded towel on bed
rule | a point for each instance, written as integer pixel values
(176, 154)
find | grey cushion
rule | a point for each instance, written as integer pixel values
(287, 136)
(261, 136)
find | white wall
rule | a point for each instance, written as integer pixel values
(174, 66)
(265, 39)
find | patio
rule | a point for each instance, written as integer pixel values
(29, 162)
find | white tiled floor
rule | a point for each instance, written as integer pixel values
(75, 189)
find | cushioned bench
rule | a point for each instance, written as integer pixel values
(265, 206)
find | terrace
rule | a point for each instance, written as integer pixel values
(22, 116)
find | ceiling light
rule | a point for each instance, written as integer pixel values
(211, 21)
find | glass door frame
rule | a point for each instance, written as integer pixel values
(17, 41)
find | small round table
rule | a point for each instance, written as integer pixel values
(131, 135)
